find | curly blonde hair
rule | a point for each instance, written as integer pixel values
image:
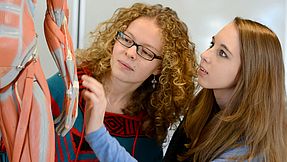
(163, 105)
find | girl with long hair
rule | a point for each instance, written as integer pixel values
(239, 114)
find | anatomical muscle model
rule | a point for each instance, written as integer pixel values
(26, 123)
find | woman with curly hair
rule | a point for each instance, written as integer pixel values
(135, 78)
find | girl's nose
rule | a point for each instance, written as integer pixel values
(205, 56)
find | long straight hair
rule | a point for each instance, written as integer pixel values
(255, 116)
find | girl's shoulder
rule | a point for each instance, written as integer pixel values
(234, 152)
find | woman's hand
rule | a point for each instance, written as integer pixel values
(96, 103)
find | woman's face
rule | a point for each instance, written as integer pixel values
(220, 63)
(126, 64)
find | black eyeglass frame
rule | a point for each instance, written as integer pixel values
(119, 33)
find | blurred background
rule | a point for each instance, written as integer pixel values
(204, 18)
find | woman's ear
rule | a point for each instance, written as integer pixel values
(157, 71)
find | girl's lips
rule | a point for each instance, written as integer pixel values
(126, 65)
(202, 70)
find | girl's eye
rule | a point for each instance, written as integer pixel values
(211, 44)
(222, 53)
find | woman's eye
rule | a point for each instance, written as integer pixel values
(126, 39)
(147, 52)
(222, 53)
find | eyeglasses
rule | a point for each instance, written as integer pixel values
(142, 51)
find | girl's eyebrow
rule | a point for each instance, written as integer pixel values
(225, 47)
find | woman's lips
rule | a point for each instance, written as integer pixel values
(125, 65)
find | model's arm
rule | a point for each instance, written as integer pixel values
(106, 147)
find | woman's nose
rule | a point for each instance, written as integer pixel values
(132, 52)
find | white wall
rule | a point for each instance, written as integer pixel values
(204, 18)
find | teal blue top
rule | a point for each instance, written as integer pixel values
(125, 129)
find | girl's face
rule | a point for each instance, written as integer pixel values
(127, 65)
(220, 63)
